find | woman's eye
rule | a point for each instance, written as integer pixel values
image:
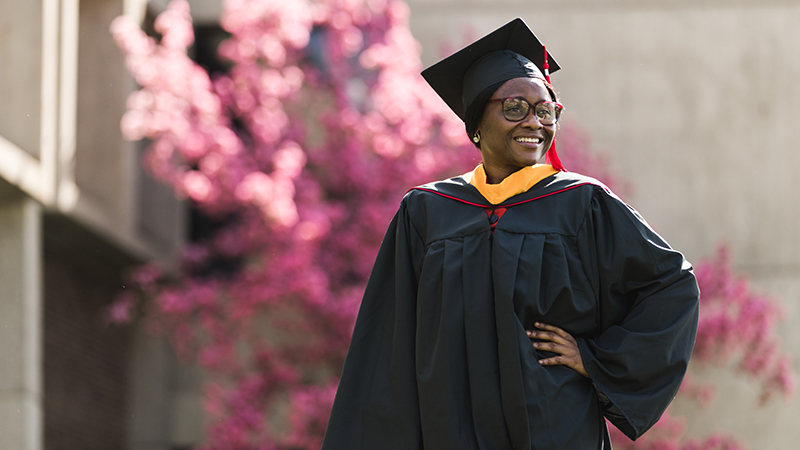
(545, 112)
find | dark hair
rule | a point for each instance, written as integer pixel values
(474, 112)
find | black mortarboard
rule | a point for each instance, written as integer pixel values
(501, 55)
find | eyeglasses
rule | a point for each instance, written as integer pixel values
(516, 109)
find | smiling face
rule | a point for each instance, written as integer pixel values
(508, 146)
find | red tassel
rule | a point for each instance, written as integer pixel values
(546, 65)
(551, 157)
(553, 160)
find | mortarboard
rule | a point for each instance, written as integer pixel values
(511, 51)
(453, 80)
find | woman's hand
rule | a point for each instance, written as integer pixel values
(561, 342)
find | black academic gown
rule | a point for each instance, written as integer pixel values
(440, 360)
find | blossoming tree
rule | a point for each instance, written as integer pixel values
(300, 154)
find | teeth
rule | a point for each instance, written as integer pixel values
(527, 139)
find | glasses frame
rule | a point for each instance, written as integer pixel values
(559, 109)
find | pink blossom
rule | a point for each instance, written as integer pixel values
(135, 124)
(174, 302)
(730, 309)
(193, 256)
(121, 309)
(197, 186)
(145, 277)
(175, 25)
(390, 146)
(289, 160)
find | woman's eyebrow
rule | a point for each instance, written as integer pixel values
(522, 97)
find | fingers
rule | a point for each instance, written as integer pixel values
(572, 360)
(566, 353)
(553, 348)
(551, 328)
(557, 361)
(547, 336)
(557, 345)
(553, 334)
(556, 340)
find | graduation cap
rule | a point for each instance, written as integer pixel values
(511, 51)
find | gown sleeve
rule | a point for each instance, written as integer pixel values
(376, 404)
(648, 311)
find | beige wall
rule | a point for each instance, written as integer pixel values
(21, 72)
(100, 156)
(165, 398)
(21, 380)
(697, 104)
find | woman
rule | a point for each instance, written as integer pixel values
(518, 305)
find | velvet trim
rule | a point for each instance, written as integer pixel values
(514, 184)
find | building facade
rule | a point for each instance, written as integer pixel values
(76, 209)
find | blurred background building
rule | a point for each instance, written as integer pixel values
(694, 102)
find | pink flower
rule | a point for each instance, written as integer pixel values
(121, 309)
(289, 160)
(197, 186)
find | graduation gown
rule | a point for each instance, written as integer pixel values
(440, 360)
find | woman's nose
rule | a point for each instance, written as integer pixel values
(531, 121)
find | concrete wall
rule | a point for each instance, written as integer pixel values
(696, 103)
(166, 398)
(101, 167)
(21, 386)
(63, 87)
(21, 72)
(63, 164)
